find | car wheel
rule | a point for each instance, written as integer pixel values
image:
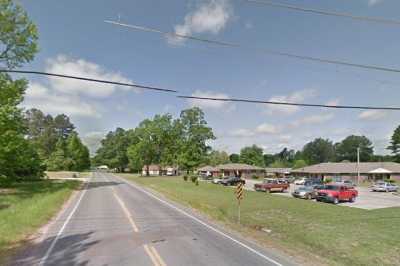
(352, 199)
(318, 200)
(309, 197)
(335, 201)
(268, 190)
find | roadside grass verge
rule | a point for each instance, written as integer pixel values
(26, 206)
(337, 235)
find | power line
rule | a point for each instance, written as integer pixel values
(266, 51)
(203, 98)
(86, 79)
(291, 103)
(325, 12)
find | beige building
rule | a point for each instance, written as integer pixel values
(349, 171)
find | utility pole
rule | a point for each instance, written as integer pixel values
(358, 165)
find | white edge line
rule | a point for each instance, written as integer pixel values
(203, 223)
(50, 249)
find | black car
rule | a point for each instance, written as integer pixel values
(232, 181)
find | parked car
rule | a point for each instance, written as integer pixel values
(313, 182)
(305, 193)
(337, 193)
(300, 181)
(232, 181)
(218, 180)
(384, 187)
(269, 185)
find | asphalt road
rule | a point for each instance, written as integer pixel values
(115, 222)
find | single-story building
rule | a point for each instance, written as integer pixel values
(209, 171)
(349, 171)
(278, 172)
(157, 170)
(241, 169)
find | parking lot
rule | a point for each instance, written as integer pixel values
(366, 199)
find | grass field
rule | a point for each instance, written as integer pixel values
(337, 235)
(25, 206)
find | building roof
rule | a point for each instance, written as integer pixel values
(152, 167)
(208, 168)
(278, 170)
(238, 166)
(349, 168)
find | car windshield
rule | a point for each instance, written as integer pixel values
(331, 187)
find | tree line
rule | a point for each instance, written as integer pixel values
(30, 142)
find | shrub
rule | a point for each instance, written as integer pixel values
(327, 180)
(197, 182)
(193, 178)
(255, 177)
(185, 177)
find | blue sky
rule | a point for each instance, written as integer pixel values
(75, 40)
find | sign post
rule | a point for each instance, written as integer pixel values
(239, 197)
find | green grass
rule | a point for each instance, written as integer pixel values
(25, 206)
(337, 235)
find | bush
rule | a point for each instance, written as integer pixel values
(328, 180)
(255, 177)
(390, 181)
(185, 177)
(193, 178)
(197, 182)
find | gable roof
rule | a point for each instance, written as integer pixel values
(208, 168)
(278, 170)
(349, 168)
(238, 166)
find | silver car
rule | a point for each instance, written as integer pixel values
(384, 187)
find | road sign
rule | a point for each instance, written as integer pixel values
(239, 196)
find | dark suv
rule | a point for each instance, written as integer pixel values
(232, 181)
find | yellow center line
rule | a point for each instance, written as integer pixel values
(127, 213)
(150, 250)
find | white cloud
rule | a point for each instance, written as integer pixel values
(267, 129)
(210, 104)
(211, 16)
(79, 67)
(93, 140)
(38, 96)
(372, 115)
(313, 120)
(242, 133)
(296, 97)
(374, 2)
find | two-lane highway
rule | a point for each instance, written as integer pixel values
(115, 222)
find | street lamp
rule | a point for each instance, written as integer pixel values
(358, 165)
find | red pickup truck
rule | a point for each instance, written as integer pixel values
(337, 193)
(269, 185)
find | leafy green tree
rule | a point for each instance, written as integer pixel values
(394, 146)
(59, 160)
(252, 155)
(218, 157)
(347, 149)
(279, 164)
(18, 44)
(318, 151)
(299, 164)
(63, 126)
(18, 35)
(78, 153)
(268, 159)
(113, 149)
(234, 158)
(195, 135)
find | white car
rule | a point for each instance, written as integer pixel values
(384, 187)
(300, 182)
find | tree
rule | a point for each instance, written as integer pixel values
(395, 144)
(59, 160)
(299, 164)
(268, 159)
(218, 157)
(113, 150)
(234, 158)
(318, 151)
(347, 149)
(195, 135)
(63, 126)
(18, 35)
(252, 155)
(78, 153)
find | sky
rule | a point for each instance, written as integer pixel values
(74, 39)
